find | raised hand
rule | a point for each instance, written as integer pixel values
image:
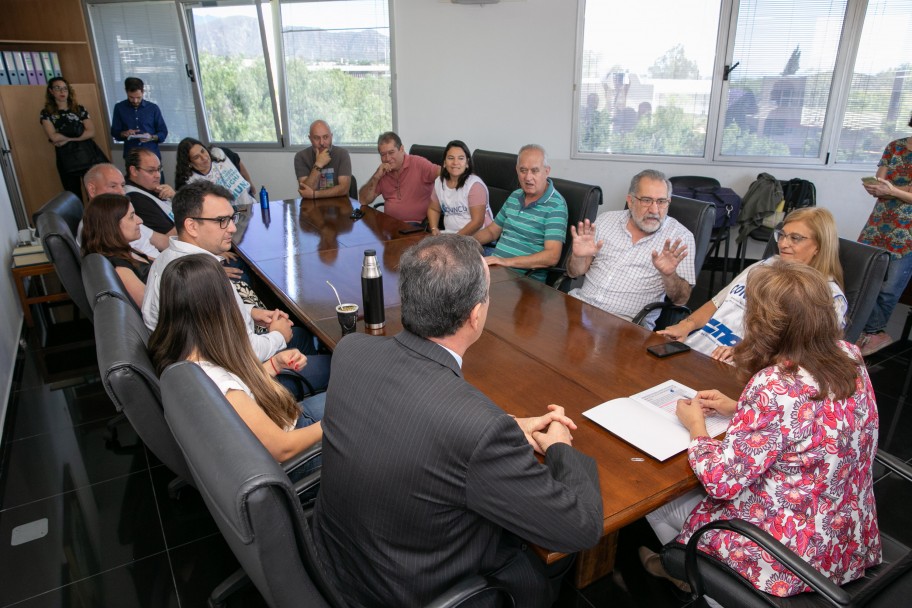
(584, 245)
(667, 260)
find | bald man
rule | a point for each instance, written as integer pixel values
(323, 170)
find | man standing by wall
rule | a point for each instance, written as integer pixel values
(137, 122)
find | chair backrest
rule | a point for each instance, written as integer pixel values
(693, 181)
(699, 218)
(57, 222)
(863, 271)
(583, 201)
(100, 280)
(498, 171)
(246, 491)
(432, 153)
(353, 188)
(130, 379)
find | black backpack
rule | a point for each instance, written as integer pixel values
(798, 193)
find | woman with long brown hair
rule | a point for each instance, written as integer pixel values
(70, 129)
(199, 321)
(108, 227)
(796, 459)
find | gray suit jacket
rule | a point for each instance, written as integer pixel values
(422, 472)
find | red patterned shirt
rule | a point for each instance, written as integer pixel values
(799, 469)
(890, 223)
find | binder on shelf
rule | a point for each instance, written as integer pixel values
(47, 65)
(4, 79)
(29, 67)
(20, 67)
(11, 71)
(55, 62)
(39, 68)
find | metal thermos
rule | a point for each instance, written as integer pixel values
(372, 291)
(264, 198)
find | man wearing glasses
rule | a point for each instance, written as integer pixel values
(151, 199)
(635, 256)
(404, 181)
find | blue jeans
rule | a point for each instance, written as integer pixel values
(898, 273)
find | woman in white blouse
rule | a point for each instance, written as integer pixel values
(459, 195)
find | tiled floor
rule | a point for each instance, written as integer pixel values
(115, 538)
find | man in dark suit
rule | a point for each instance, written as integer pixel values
(425, 480)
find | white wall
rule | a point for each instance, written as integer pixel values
(10, 311)
(499, 76)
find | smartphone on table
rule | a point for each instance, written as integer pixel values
(667, 349)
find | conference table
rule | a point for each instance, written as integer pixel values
(539, 345)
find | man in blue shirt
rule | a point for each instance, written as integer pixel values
(137, 122)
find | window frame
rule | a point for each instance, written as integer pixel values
(850, 37)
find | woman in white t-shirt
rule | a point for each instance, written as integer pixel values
(807, 236)
(459, 195)
(199, 321)
(195, 162)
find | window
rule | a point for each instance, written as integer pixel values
(144, 40)
(337, 68)
(778, 95)
(646, 81)
(880, 98)
(232, 72)
(795, 81)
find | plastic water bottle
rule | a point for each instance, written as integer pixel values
(372, 291)
(264, 198)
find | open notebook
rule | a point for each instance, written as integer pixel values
(648, 421)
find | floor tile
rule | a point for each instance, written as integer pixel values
(894, 495)
(42, 409)
(145, 583)
(89, 530)
(185, 518)
(65, 459)
(203, 564)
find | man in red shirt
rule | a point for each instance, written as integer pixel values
(404, 181)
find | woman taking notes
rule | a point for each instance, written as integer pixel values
(199, 321)
(796, 459)
(808, 236)
(459, 195)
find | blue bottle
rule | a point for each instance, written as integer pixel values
(264, 198)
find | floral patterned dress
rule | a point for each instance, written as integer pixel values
(890, 223)
(799, 469)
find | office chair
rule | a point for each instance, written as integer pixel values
(252, 500)
(57, 222)
(498, 171)
(888, 584)
(100, 280)
(698, 217)
(432, 153)
(353, 188)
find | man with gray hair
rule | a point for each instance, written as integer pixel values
(531, 227)
(634, 256)
(423, 471)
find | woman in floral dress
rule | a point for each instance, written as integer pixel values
(796, 460)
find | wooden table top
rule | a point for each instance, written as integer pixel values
(539, 346)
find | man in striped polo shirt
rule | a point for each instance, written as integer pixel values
(532, 224)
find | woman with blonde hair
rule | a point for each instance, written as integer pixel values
(808, 236)
(199, 321)
(109, 226)
(797, 457)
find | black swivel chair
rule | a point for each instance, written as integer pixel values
(252, 500)
(863, 270)
(431, 153)
(100, 280)
(699, 218)
(353, 188)
(498, 171)
(886, 585)
(57, 222)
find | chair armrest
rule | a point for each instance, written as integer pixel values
(308, 388)
(800, 568)
(466, 589)
(638, 319)
(303, 458)
(894, 464)
(308, 482)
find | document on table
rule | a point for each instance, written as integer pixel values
(648, 421)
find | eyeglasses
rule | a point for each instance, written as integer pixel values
(647, 201)
(157, 169)
(794, 237)
(59, 89)
(223, 221)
